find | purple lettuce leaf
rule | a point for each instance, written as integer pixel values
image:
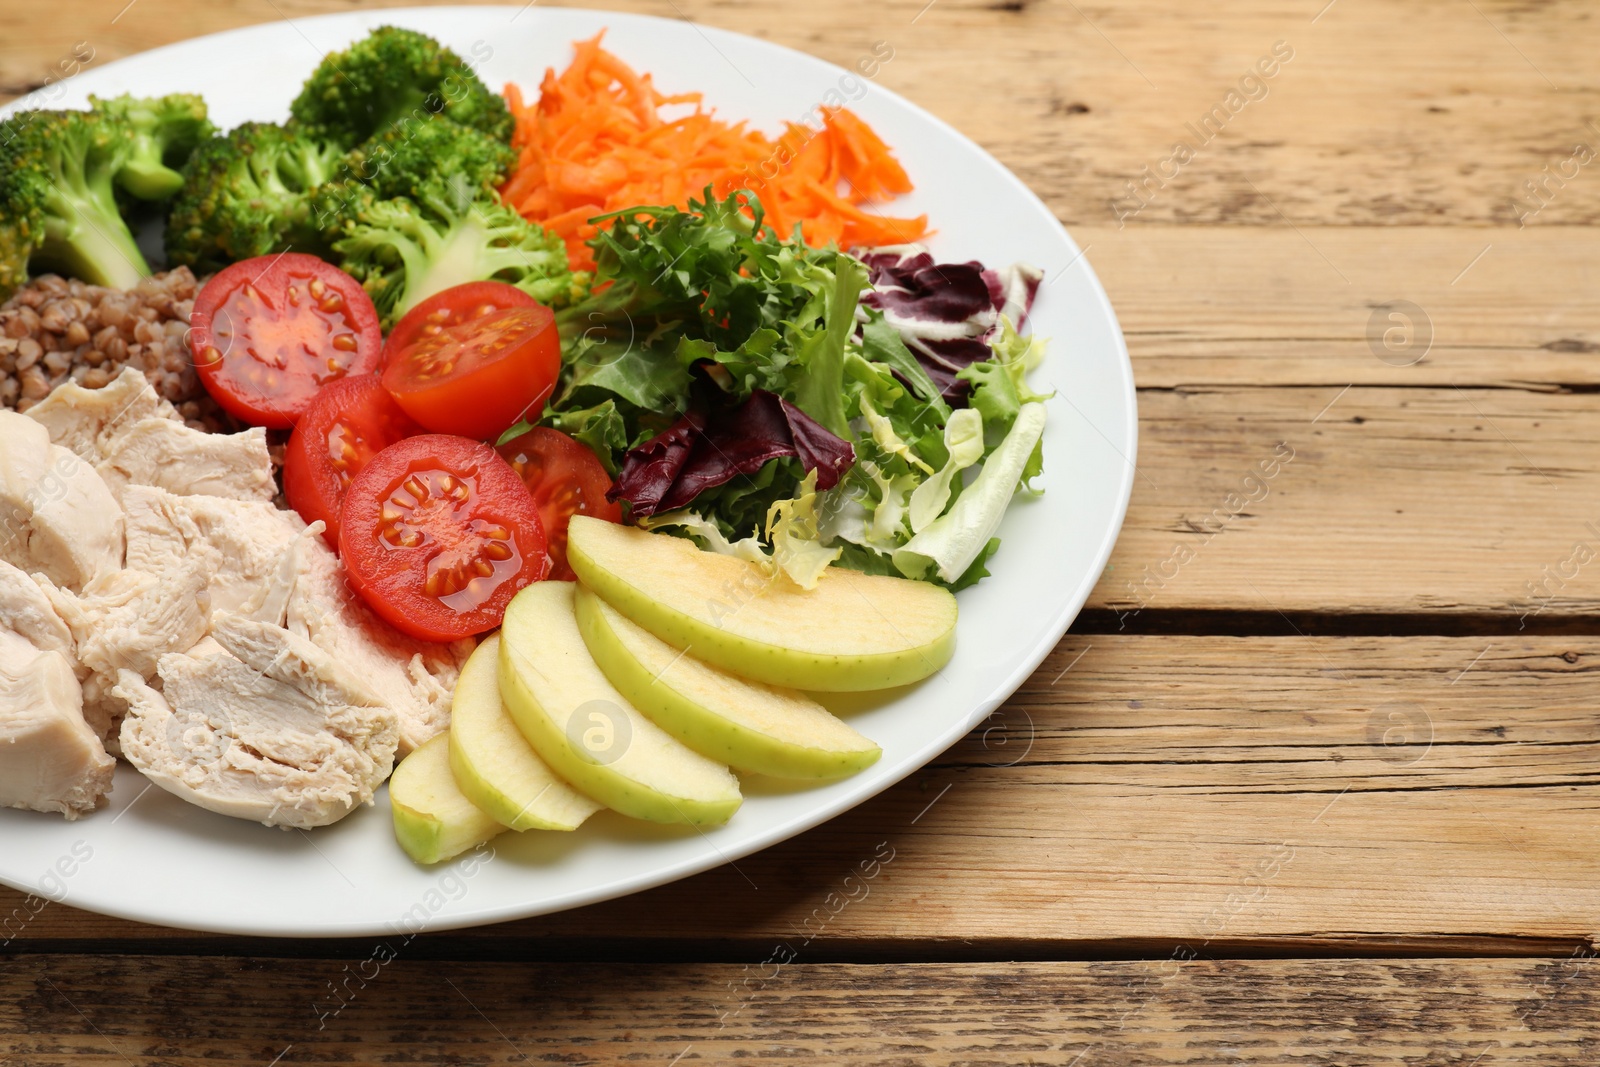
(947, 313)
(702, 451)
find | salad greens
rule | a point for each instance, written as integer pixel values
(770, 400)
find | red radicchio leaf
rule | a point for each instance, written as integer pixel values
(649, 470)
(947, 313)
(698, 452)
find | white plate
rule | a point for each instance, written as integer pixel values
(152, 857)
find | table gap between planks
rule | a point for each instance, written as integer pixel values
(1312, 778)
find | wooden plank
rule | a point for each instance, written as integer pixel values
(1450, 501)
(1238, 305)
(1306, 794)
(1360, 127)
(84, 1010)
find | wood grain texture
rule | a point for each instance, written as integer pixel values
(1363, 126)
(79, 1010)
(1244, 305)
(1437, 500)
(1166, 798)
(1314, 794)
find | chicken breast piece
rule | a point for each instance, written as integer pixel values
(56, 515)
(130, 435)
(85, 421)
(128, 620)
(26, 610)
(186, 461)
(237, 544)
(413, 678)
(270, 730)
(49, 758)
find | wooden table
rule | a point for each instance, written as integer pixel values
(1310, 780)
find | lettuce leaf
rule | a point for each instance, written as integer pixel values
(795, 533)
(882, 343)
(1000, 386)
(947, 314)
(792, 528)
(702, 451)
(954, 541)
(816, 377)
(963, 439)
(601, 427)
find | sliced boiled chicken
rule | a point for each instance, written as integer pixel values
(237, 544)
(85, 421)
(269, 729)
(26, 611)
(414, 678)
(209, 636)
(127, 621)
(133, 437)
(183, 460)
(57, 517)
(49, 758)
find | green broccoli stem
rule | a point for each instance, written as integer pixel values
(468, 252)
(456, 259)
(101, 251)
(149, 179)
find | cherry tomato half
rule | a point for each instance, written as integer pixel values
(452, 307)
(347, 424)
(268, 333)
(566, 479)
(438, 534)
(479, 376)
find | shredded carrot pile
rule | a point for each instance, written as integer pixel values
(596, 141)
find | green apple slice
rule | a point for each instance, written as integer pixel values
(748, 725)
(433, 821)
(588, 732)
(852, 632)
(493, 763)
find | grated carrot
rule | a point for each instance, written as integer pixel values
(596, 141)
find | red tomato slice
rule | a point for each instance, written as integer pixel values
(479, 376)
(566, 479)
(268, 333)
(438, 533)
(452, 307)
(347, 424)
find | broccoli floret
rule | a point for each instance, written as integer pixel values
(405, 161)
(404, 250)
(21, 226)
(58, 204)
(249, 194)
(395, 75)
(162, 132)
(410, 155)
